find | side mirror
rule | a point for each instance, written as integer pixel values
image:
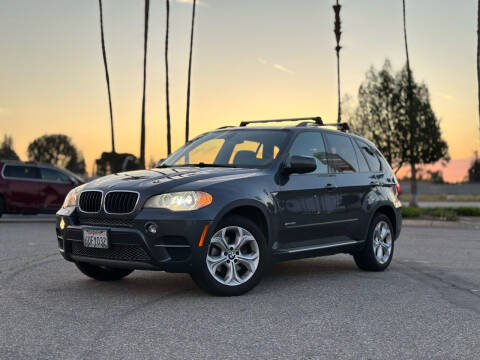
(160, 162)
(300, 164)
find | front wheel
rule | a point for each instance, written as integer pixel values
(235, 258)
(378, 251)
(102, 273)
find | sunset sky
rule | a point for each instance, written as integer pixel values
(252, 59)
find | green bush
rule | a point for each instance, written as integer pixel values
(411, 212)
(450, 214)
(468, 211)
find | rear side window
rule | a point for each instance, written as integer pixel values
(362, 163)
(311, 144)
(341, 155)
(21, 172)
(53, 175)
(370, 156)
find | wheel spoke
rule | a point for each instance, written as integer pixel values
(247, 257)
(214, 262)
(380, 253)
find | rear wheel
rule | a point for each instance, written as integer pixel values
(378, 251)
(235, 259)
(102, 273)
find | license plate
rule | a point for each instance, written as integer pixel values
(95, 239)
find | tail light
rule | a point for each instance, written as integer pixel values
(399, 189)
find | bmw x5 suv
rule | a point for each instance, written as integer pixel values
(231, 201)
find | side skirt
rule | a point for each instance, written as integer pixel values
(317, 250)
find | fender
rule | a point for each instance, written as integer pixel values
(373, 211)
(239, 203)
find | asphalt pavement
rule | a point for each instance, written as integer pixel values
(425, 306)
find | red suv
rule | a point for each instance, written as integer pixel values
(31, 188)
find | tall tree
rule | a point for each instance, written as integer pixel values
(338, 34)
(384, 112)
(378, 105)
(6, 149)
(187, 120)
(410, 116)
(57, 150)
(167, 94)
(107, 76)
(142, 131)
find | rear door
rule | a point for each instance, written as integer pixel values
(56, 186)
(307, 202)
(24, 187)
(353, 185)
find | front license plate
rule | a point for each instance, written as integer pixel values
(95, 239)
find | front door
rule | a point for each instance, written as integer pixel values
(307, 202)
(56, 186)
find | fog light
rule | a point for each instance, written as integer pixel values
(152, 228)
(62, 224)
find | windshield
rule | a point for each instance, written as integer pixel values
(230, 148)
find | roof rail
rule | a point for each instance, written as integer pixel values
(317, 120)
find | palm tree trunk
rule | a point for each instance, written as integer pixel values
(338, 34)
(187, 120)
(410, 115)
(107, 76)
(478, 57)
(167, 94)
(142, 132)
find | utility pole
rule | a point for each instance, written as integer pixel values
(338, 33)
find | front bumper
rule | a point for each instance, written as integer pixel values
(173, 248)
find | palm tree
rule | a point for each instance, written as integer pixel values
(478, 55)
(169, 145)
(413, 181)
(338, 33)
(187, 120)
(142, 132)
(107, 76)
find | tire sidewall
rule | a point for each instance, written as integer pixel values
(202, 274)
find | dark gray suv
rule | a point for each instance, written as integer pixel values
(231, 201)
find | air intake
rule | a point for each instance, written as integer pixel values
(90, 201)
(120, 202)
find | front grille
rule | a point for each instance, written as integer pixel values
(115, 252)
(105, 221)
(120, 202)
(90, 201)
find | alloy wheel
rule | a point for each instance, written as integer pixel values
(382, 242)
(233, 255)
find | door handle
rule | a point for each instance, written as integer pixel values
(330, 187)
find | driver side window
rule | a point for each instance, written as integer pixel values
(311, 144)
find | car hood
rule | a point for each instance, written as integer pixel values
(162, 179)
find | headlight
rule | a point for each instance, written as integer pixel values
(71, 199)
(180, 201)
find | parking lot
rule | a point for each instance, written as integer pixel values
(426, 305)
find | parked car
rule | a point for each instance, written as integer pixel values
(31, 188)
(232, 200)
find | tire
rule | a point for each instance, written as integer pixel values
(237, 268)
(2, 206)
(380, 235)
(102, 273)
